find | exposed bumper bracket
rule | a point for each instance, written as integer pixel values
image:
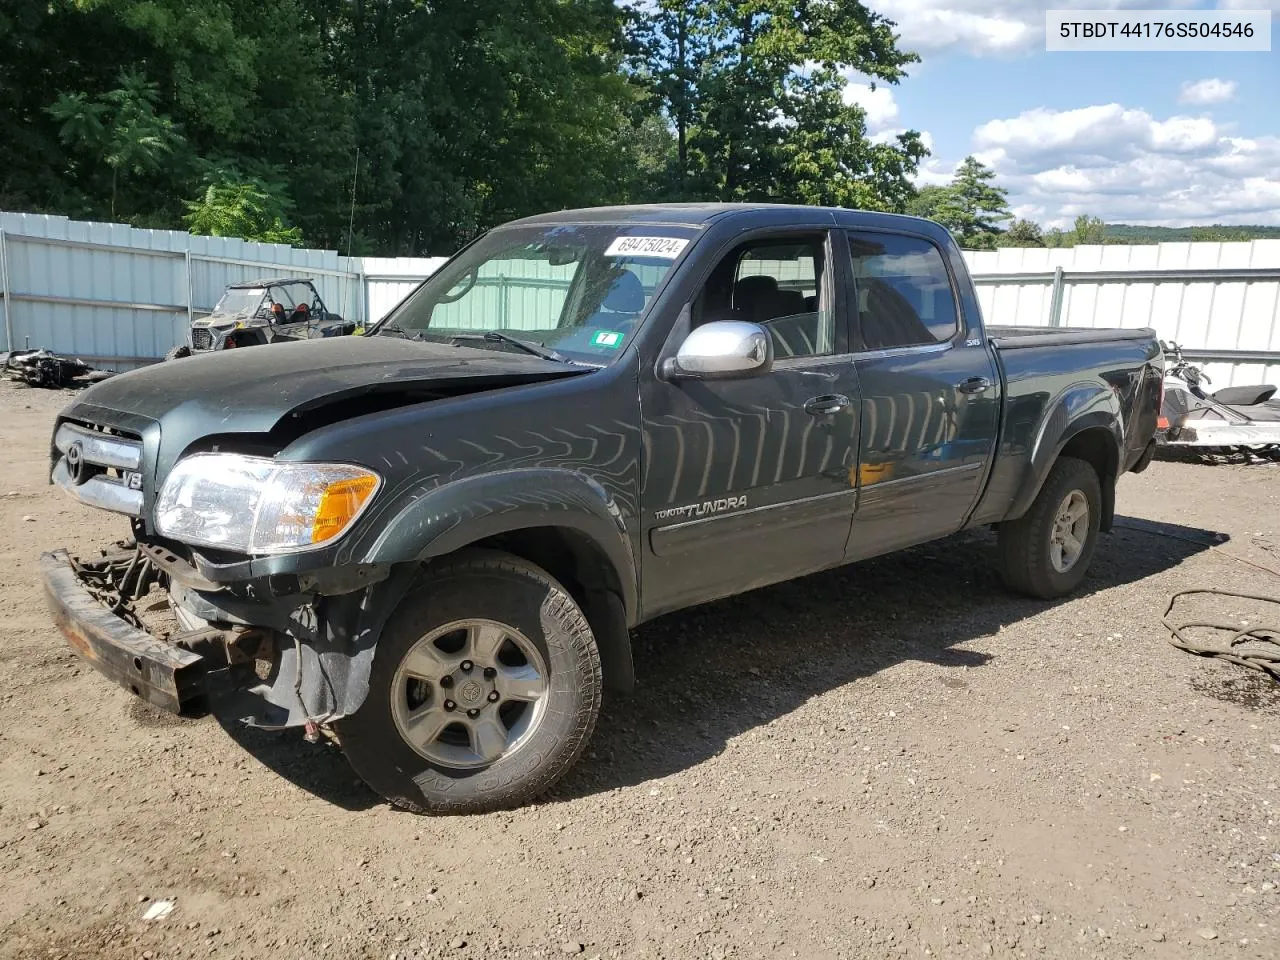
(164, 675)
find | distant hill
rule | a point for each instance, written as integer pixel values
(1129, 233)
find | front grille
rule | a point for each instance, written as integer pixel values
(100, 467)
(201, 338)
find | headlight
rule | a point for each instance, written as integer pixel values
(257, 505)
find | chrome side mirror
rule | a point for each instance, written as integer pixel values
(722, 350)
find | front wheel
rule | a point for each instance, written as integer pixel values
(483, 691)
(1046, 552)
(178, 352)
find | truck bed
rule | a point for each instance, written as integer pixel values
(1017, 338)
(1051, 374)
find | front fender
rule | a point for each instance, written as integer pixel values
(1080, 407)
(432, 523)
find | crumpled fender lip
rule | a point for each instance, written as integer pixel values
(164, 675)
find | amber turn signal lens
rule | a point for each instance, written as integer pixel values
(339, 505)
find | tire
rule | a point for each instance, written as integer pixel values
(447, 622)
(178, 352)
(1030, 560)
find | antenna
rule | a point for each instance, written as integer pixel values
(352, 220)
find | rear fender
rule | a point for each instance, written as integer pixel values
(1081, 407)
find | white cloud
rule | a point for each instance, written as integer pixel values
(997, 27)
(1207, 91)
(1125, 165)
(880, 106)
(1042, 132)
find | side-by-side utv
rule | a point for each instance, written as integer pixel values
(256, 312)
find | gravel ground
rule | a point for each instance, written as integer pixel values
(893, 759)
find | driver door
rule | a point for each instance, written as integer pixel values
(750, 481)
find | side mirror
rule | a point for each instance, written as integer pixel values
(721, 350)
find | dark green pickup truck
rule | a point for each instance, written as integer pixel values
(433, 539)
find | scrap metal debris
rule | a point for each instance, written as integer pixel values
(118, 579)
(41, 368)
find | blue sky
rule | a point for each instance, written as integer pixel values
(1161, 138)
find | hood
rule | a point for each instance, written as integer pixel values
(250, 390)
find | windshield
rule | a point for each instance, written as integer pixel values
(577, 289)
(239, 301)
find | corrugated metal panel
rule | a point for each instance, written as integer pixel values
(389, 280)
(119, 296)
(1202, 312)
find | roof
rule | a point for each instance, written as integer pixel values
(702, 214)
(265, 282)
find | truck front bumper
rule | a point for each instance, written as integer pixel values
(278, 660)
(163, 674)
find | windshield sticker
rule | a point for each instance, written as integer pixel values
(666, 248)
(609, 339)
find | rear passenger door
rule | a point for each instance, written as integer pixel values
(930, 394)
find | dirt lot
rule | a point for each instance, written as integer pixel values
(895, 759)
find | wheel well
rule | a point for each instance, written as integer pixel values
(584, 570)
(1097, 447)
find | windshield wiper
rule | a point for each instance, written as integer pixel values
(493, 336)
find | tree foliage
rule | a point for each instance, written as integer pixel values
(754, 92)
(120, 129)
(407, 126)
(1021, 233)
(971, 206)
(234, 204)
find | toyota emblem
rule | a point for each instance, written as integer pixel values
(77, 469)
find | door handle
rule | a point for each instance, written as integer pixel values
(826, 405)
(974, 385)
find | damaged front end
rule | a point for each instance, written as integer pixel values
(264, 649)
(246, 577)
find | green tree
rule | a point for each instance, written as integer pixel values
(235, 205)
(120, 129)
(938, 203)
(433, 121)
(239, 79)
(1089, 230)
(753, 90)
(470, 112)
(981, 204)
(1021, 233)
(671, 42)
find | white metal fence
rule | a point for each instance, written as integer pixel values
(118, 297)
(1220, 301)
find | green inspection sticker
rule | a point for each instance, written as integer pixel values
(609, 339)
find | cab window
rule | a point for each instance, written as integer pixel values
(904, 294)
(777, 283)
